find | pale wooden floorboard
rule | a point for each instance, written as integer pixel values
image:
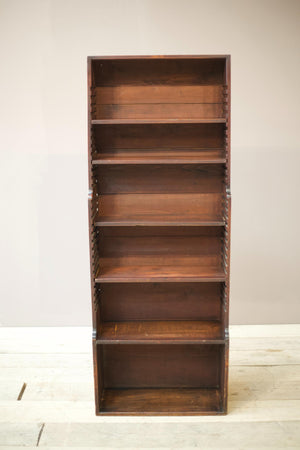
(174, 435)
(83, 412)
(56, 365)
(99, 447)
(19, 434)
(10, 388)
(245, 383)
(29, 360)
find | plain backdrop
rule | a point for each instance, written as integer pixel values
(43, 169)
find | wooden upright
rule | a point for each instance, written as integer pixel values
(159, 214)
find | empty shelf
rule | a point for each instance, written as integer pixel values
(160, 208)
(183, 401)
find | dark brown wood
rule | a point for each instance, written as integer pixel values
(159, 215)
(191, 331)
(152, 156)
(160, 301)
(160, 112)
(159, 273)
(160, 193)
(177, 209)
(178, 401)
(160, 252)
(159, 70)
(159, 137)
(140, 120)
(159, 93)
(161, 179)
(161, 365)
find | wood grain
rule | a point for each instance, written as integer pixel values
(135, 94)
(153, 156)
(160, 179)
(164, 111)
(160, 401)
(159, 152)
(141, 137)
(191, 331)
(149, 274)
(158, 301)
(157, 208)
(161, 366)
(169, 71)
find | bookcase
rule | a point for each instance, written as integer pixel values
(159, 221)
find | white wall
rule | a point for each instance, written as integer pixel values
(43, 171)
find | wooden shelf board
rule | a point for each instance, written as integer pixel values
(160, 208)
(145, 121)
(114, 221)
(156, 332)
(133, 274)
(183, 156)
(160, 401)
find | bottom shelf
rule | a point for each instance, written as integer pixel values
(160, 401)
(165, 379)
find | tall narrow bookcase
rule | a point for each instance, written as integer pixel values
(159, 215)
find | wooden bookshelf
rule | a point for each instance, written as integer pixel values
(159, 215)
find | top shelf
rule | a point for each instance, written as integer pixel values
(153, 121)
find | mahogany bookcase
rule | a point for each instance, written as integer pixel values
(159, 219)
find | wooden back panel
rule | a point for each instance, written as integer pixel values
(161, 206)
(159, 89)
(167, 71)
(160, 179)
(158, 246)
(161, 366)
(157, 136)
(158, 191)
(160, 301)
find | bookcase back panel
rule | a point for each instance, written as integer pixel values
(158, 301)
(161, 179)
(159, 93)
(158, 366)
(159, 111)
(122, 94)
(142, 137)
(158, 246)
(181, 71)
(156, 191)
(170, 207)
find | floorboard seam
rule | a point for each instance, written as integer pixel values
(40, 434)
(22, 391)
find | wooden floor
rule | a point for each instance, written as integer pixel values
(46, 396)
